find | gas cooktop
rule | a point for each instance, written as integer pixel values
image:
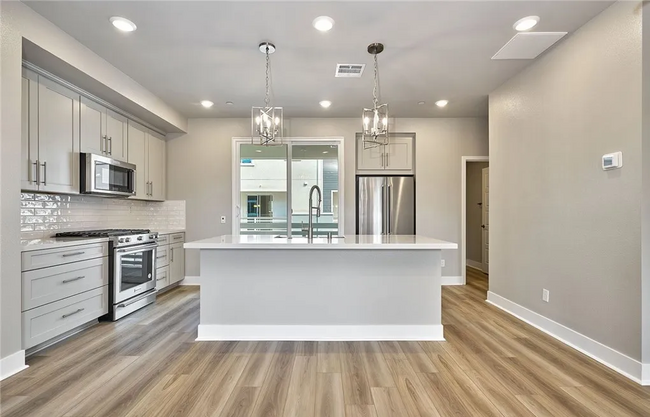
(104, 233)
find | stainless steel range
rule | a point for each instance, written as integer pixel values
(132, 267)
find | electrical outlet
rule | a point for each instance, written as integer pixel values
(545, 295)
(442, 263)
(223, 219)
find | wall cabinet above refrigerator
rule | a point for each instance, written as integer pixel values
(396, 157)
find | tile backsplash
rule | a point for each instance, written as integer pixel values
(43, 215)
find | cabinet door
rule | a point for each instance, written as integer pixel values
(369, 159)
(93, 129)
(58, 138)
(176, 263)
(399, 154)
(156, 164)
(137, 156)
(29, 132)
(116, 132)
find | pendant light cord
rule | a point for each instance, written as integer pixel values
(266, 97)
(375, 87)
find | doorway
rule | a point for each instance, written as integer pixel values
(475, 217)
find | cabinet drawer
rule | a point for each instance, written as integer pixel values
(163, 240)
(59, 256)
(176, 238)
(43, 323)
(162, 256)
(46, 285)
(162, 277)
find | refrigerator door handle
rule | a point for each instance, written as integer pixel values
(389, 205)
(383, 212)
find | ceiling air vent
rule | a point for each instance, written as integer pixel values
(349, 70)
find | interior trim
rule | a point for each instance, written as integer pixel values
(12, 364)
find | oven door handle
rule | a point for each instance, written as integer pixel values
(137, 249)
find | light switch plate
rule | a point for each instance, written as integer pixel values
(546, 295)
(442, 263)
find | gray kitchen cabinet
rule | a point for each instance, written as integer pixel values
(396, 157)
(176, 263)
(29, 132)
(147, 152)
(170, 260)
(103, 131)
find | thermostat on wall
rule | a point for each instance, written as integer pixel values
(612, 160)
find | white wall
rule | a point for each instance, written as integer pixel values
(199, 171)
(557, 220)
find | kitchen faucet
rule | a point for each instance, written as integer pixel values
(310, 230)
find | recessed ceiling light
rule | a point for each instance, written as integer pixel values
(258, 151)
(323, 23)
(325, 103)
(207, 103)
(125, 25)
(229, 103)
(421, 102)
(526, 23)
(326, 151)
(442, 103)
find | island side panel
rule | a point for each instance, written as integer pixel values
(249, 294)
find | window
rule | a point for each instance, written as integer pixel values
(272, 186)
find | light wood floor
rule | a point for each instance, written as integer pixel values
(149, 365)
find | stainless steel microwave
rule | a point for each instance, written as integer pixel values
(106, 176)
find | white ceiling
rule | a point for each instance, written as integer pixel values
(185, 52)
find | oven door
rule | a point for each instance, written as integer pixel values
(107, 176)
(135, 271)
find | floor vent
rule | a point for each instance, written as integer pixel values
(349, 70)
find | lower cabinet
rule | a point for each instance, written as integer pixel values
(170, 260)
(62, 289)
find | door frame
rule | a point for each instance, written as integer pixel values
(463, 211)
(236, 180)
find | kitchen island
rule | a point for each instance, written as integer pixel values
(354, 288)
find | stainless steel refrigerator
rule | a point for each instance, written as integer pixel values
(385, 205)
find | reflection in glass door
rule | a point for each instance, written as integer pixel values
(263, 190)
(314, 164)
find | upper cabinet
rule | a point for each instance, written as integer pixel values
(58, 123)
(50, 136)
(396, 157)
(147, 152)
(103, 131)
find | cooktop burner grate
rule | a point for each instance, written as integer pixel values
(103, 233)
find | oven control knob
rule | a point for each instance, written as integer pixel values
(128, 239)
(152, 236)
(121, 240)
(139, 237)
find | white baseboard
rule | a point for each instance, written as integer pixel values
(190, 281)
(475, 265)
(12, 364)
(213, 332)
(451, 280)
(619, 362)
(645, 374)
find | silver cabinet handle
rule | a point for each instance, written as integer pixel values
(162, 256)
(160, 279)
(172, 249)
(178, 237)
(65, 281)
(151, 188)
(387, 161)
(44, 165)
(101, 143)
(31, 179)
(65, 255)
(382, 160)
(79, 310)
(110, 144)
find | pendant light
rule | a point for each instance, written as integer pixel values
(266, 122)
(374, 121)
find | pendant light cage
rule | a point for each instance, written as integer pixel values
(267, 122)
(374, 121)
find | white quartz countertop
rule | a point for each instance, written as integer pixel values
(51, 243)
(168, 231)
(392, 242)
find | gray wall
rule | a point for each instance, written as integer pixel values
(557, 220)
(199, 171)
(474, 214)
(646, 192)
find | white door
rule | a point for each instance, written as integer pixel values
(58, 138)
(29, 132)
(399, 154)
(93, 130)
(369, 159)
(137, 155)
(485, 212)
(117, 135)
(156, 162)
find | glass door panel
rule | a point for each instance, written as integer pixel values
(263, 190)
(314, 164)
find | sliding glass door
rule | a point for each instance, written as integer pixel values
(272, 186)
